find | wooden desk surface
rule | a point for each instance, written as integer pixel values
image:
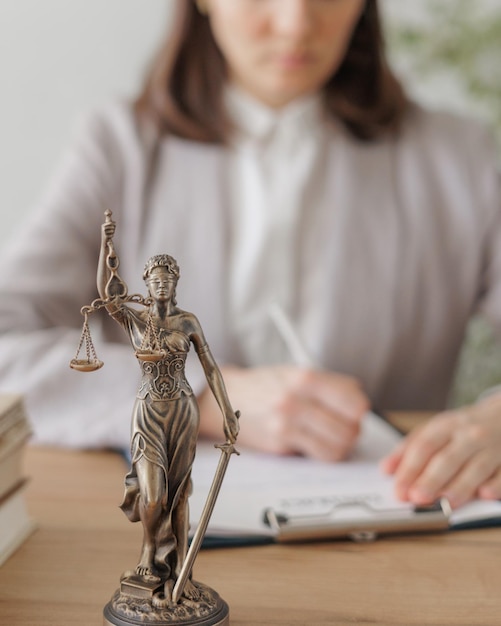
(66, 572)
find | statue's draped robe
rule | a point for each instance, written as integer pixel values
(164, 430)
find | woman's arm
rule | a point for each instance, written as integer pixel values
(292, 410)
(458, 453)
(47, 274)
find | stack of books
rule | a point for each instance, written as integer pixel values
(15, 523)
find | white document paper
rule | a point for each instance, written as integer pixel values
(300, 487)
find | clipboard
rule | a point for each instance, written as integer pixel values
(367, 525)
(267, 499)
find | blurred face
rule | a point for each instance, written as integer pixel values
(161, 284)
(279, 50)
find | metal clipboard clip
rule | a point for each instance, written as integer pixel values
(367, 526)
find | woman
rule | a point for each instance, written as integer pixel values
(165, 417)
(273, 152)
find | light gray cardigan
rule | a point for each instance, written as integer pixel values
(410, 249)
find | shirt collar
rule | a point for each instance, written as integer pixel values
(254, 120)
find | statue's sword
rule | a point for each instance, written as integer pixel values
(227, 449)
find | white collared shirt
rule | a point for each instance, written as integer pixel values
(272, 192)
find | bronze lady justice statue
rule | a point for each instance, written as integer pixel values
(165, 423)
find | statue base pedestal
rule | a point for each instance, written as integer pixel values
(143, 603)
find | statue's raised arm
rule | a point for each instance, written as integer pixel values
(109, 284)
(113, 294)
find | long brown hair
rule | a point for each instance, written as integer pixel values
(183, 91)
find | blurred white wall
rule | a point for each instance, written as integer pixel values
(57, 58)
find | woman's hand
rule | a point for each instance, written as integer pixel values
(291, 410)
(457, 454)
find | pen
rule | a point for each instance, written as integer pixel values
(299, 353)
(291, 339)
